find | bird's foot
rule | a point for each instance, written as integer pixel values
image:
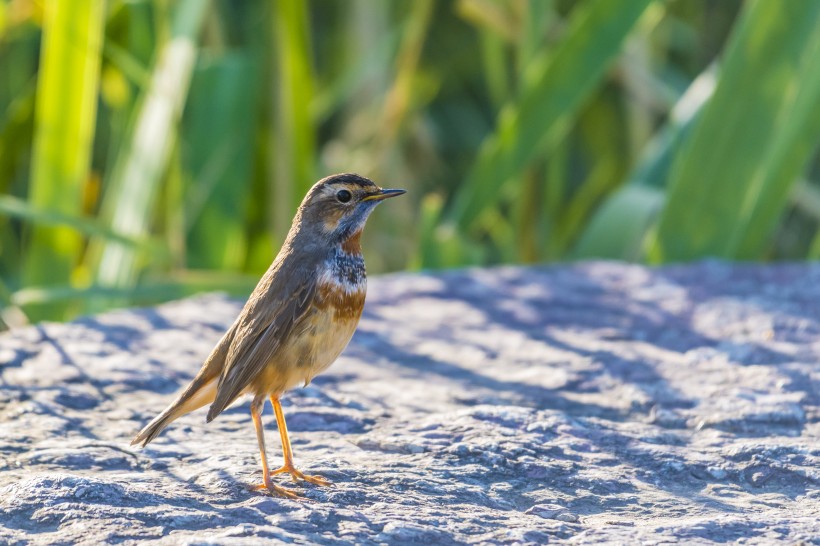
(274, 489)
(296, 475)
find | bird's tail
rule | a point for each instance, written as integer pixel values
(200, 392)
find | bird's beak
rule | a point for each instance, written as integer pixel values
(384, 194)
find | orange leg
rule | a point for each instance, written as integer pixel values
(287, 452)
(267, 483)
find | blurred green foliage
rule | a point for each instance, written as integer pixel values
(154, 148)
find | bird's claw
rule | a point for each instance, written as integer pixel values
(297, 475)
(274, 489)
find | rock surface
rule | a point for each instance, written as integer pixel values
(590, 403)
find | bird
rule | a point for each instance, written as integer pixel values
(296, 322)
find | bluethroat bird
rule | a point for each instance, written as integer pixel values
(298, 319)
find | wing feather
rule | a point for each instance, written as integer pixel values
(274, 309)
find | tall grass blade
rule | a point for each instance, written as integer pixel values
(731, 182)
(218, 155)
(66, 110)
(620, 227)
(295, 138)
(24, 210)
(556, 88)
(131, 201)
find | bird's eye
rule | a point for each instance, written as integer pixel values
(343, 196)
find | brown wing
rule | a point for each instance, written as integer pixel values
(277, 304)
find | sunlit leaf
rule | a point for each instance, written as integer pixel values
(556, 88)
(730, 183)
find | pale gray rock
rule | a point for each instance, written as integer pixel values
(579, 404)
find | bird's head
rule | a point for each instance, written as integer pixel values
(338, 206)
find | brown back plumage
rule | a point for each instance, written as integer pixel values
(274, 308)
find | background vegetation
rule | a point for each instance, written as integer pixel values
(155, 148)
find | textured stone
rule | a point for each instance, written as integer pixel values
(589, 403)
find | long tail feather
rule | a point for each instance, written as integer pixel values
(201, 391)
(196, 395)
